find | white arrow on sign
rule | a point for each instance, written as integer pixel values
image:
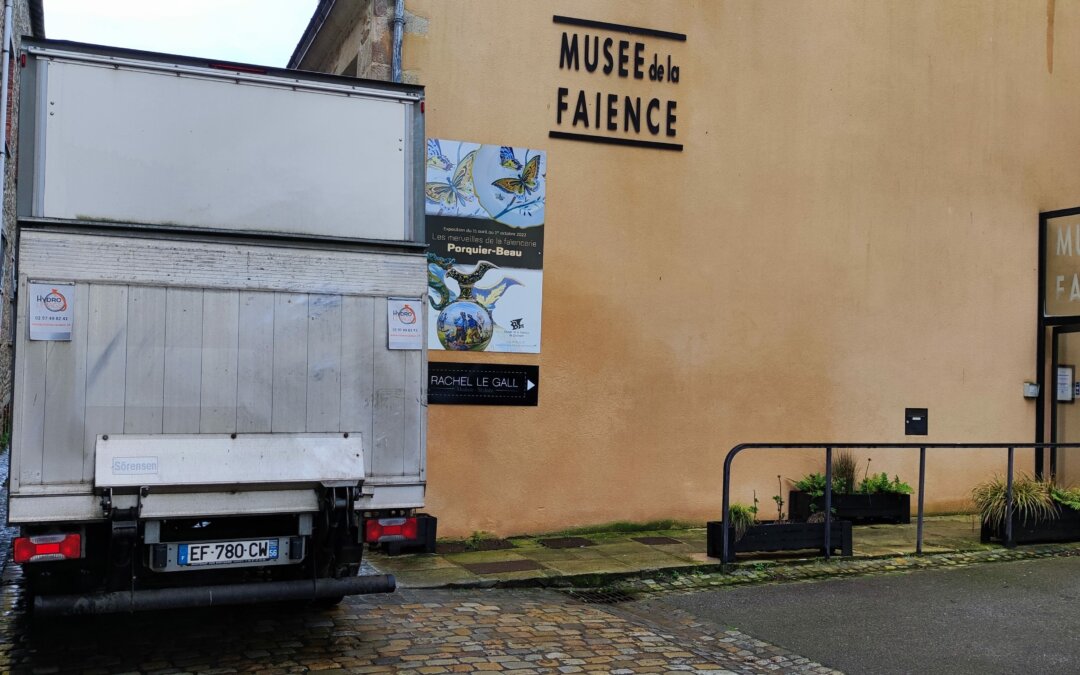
(529, 385)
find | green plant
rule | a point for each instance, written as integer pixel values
(818, 515)
(472, 542)
(1068, 497)
(875, 483)
(843, 471)
(1032, 499)
(741, 517)
(814, 484)
(779, 500)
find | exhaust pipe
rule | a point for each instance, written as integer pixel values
(211, 596)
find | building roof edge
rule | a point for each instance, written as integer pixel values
(318, 17)
(37, 18)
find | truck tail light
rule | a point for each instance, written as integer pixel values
(48, 547)
(389, 529)
(254, 70)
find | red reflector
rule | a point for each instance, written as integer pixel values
(421, 107)
(389, 529)
(238, 68)
(48, 547)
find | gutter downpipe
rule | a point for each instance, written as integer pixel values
(399, 24)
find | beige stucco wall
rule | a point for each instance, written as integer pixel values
(851, 229)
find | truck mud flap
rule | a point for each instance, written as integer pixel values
(211, 596)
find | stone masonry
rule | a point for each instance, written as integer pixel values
(23, 25)
(356, 39)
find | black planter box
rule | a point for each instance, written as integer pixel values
(779, 537)
(881, 507)
(1066, 527)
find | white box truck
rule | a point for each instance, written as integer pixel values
(214, 261)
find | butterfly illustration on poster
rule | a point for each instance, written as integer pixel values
(485, 222)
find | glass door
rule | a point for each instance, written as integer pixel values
(1064, 392)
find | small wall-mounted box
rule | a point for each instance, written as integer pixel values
(915, 423)
(1031, 390)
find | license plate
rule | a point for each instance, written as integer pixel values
(225, 552)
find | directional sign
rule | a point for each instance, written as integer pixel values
(483, 384)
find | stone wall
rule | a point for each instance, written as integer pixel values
(21, 27)
(357, 40)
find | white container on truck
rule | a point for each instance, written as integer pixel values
(213, 259)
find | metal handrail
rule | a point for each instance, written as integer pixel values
(921, 447)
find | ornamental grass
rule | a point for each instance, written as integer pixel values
(1032, 499)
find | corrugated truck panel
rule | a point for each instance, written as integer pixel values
(151, 359)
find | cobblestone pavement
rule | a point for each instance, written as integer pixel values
(421, 631)
(415, 631)
(6, 533)
(617, 627)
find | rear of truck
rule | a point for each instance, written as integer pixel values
(216, 397)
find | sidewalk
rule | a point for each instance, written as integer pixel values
(598, 559)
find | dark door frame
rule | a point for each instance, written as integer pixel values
(1064, 324)
(1055, 333)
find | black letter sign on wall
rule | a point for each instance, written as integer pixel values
(613, 117)
(483, 384)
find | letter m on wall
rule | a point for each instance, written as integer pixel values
(568, 54)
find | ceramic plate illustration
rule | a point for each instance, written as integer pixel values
(510, 184)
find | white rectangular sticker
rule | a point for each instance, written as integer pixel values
(51, 310)
(403, 324)
(1065, 376)
(134, 466)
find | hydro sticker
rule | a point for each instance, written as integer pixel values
(403, 325)
(51, 310)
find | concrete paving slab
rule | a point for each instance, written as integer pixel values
(593, 566)
(702, 558)
(627, 547)
(503, 567)
(417, 562)
(657, 541)
(433, 578)
(547, 555)
(485, 556)
(683, 551)
(652, 561)
(565, 542)
(617, 553)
